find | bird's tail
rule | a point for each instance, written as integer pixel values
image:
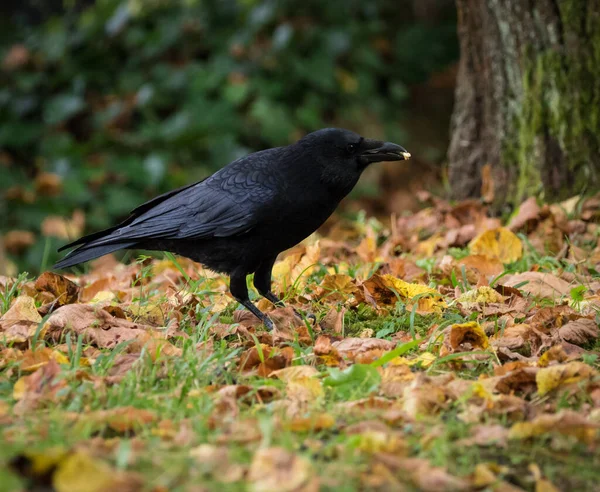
(90, 251)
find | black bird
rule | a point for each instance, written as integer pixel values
(239, 219)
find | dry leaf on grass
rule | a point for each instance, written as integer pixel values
(527, 215)
(63, 290)
(278, 470)
(266, 359)
(552, 377)
(103, 330)
(217, 462)
(463, 337)
(481, 264)
(539, 284)
(39, 388)
(499, 243)
(20, 323)
(119, 419)
(580, 331)
(566, 422)
(423, 475)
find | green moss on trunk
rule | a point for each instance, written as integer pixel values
(553, 146)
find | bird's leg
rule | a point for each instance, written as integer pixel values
(262, 282)
(239, 290)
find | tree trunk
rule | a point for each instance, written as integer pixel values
(527, 99)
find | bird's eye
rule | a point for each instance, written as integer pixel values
(351, 148)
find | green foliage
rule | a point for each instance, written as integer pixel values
(127, 99)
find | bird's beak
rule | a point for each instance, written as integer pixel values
(385, 151)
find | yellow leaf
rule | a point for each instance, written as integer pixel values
(43, 462)
(463, 337)
(102, 296)
(294, 373)
(313, 423)
(305, 389)
(424, 358)
(430, 301)
(373, 441)
(566, 422)
(498, 243)
(20, 388)
(80, 472)
(550, 378)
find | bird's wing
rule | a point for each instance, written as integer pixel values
(225, 204)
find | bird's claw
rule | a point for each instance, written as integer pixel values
(269, 325)
(309, 316)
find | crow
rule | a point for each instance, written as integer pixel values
(239, 219)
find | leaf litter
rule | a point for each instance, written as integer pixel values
(448, 352)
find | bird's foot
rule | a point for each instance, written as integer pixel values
(258, 313)
(279, 303)
(308, 316)
(269, 325)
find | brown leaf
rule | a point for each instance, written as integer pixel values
(17, 241)
(539, 284)
(48, 184)
(334, 320)
(20, 323)
(62, 289)
(103, 330)
(527, 215)
(266, 360)
(278, 470)
(16, 57)
(119, 419)
(424, 476)
(217, 462)
(482, 265)
(350, 347)
(38, 388)
(580, 331)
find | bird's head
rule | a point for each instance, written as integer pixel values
(343, 155)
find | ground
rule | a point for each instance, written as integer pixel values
(448, 351)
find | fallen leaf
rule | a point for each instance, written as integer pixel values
(552, 377)
(482, 265)
(539, 284)
(351, 347)
(499, 243)
(216, 461)
(16, 241)
(464, 337)
(21, 322)
(62, 289)
(527, 214)
(295, 373)
(119, 419)
(580, 331)
(32, 360)
(100, 328)
(566, 422)
(80, 472)
(480, 295)
(277, 470)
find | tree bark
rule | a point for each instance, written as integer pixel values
(527, 99)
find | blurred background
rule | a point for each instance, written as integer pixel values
(106, 103)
